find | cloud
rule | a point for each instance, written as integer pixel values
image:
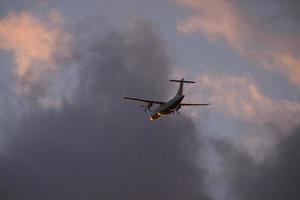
(98, 146)
(291, 9)
(38, 46)
(240, 97)
(248, 36)
(250, 156)
(209, 24)
(31, 40)
(274, 179)
(259, 122)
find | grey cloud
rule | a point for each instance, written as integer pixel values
(291, 8)
(275, 178)
(98, 146)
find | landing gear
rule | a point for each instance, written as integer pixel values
(147, 107)
(177, 109)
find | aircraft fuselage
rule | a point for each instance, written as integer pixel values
(167, 108)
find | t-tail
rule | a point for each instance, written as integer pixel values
(180, 89)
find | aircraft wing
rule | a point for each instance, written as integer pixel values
(143, 100)
(194, 104)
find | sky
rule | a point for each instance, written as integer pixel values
(66, 132)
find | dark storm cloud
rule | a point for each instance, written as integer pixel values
(291, 8)
(97, 146)
(276, 178)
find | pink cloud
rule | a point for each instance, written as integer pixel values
(33, 42)
(265, 121)
(37, 44)
(241, 98)
(224, 20)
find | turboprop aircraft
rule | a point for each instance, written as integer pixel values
(171, 106)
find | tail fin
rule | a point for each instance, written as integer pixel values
(180, 89)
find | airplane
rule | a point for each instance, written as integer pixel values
(171, 106)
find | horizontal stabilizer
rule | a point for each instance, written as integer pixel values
(181, 81)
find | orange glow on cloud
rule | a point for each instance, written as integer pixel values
(241, 98)
(266, 120)
(32, 41)
(222, 19)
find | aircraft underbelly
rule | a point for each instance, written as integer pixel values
(169, 109)
(166, 109)
(165, 112)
